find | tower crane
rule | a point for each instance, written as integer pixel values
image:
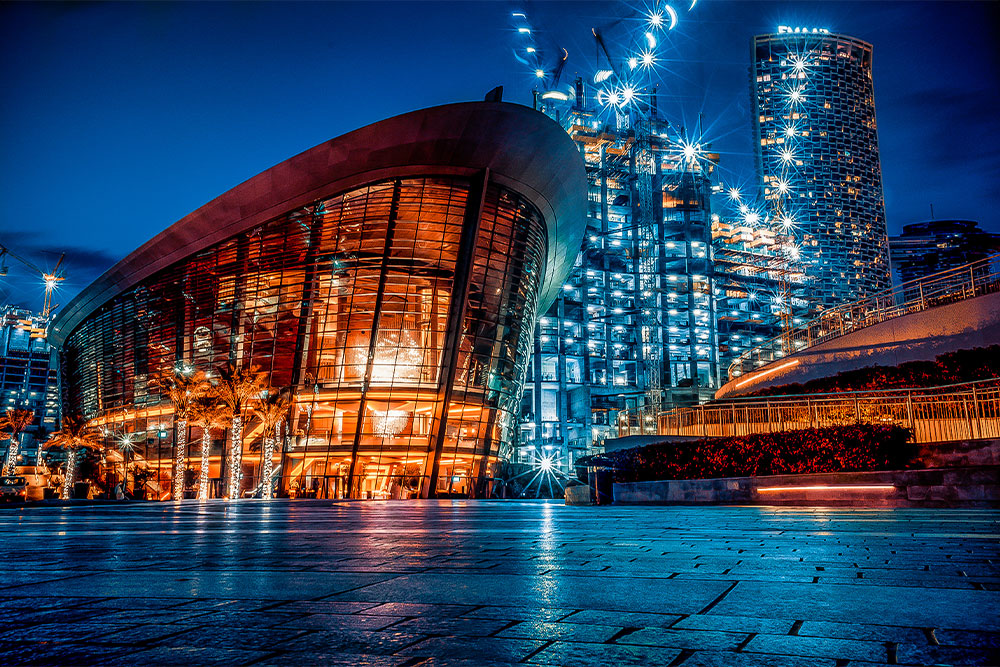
(50, 278)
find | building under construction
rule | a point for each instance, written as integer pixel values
(28, 376)
(633, 330)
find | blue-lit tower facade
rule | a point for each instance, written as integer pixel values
(813, 108)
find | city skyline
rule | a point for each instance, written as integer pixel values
(134, 144)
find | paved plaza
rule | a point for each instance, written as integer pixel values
(495, 583)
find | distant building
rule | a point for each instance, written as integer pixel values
(817, 158)
(750, 270)
(28, 376)
(925, 248)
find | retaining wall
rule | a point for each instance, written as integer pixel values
(976, 486)
(915, 337)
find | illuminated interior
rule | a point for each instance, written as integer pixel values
(398, 314)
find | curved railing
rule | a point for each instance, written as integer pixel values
(969, 410)
(964, 282)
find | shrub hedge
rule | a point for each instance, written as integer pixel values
(859, 447)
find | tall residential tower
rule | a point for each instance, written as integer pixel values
(817, 157)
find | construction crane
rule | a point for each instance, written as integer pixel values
(50, 278)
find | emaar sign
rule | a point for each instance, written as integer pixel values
(786, 29)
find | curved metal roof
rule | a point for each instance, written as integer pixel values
(523, 149)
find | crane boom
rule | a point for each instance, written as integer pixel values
(50, 278)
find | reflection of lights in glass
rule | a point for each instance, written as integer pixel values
(633, 63)
(389, 423)
(397, 358)
(602, 75)
(650, 40)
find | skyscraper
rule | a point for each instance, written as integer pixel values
(813, 108)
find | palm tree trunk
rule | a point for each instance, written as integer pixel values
(70, 474)
(235, 456)
(11, 463)
(268, 467)
(180, 460)
(206, 445)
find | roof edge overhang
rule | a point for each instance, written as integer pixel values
(524, 150)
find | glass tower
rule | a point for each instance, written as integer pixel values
(817, 157)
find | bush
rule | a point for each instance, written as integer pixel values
(860, 447)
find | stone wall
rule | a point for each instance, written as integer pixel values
(977, 486)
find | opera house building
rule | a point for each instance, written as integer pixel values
(388, 280)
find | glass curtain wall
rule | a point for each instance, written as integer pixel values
(398, 314)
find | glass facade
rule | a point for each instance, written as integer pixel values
(398, 314)
(817, 158)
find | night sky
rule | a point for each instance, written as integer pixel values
(118, 119)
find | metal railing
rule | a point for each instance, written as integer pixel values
(938, 414)
(964, 282)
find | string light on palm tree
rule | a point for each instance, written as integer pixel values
(16, 420)
(182, 386)
(238, 389)
(272, 409)
(75, 437)
(209, 414)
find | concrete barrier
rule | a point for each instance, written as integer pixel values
(918, 336)
(975, 486)
(580, 494)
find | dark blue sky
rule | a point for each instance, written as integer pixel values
(118, 119)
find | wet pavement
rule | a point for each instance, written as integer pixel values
(496, 583)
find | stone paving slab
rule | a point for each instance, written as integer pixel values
(464, 583)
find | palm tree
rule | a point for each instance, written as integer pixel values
(126, 445)
(16, 420)
(271, 411)
(74, 436)
(182, 385)
(237, 389)
(210, 414)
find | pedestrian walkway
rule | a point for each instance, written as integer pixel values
(449, 583)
